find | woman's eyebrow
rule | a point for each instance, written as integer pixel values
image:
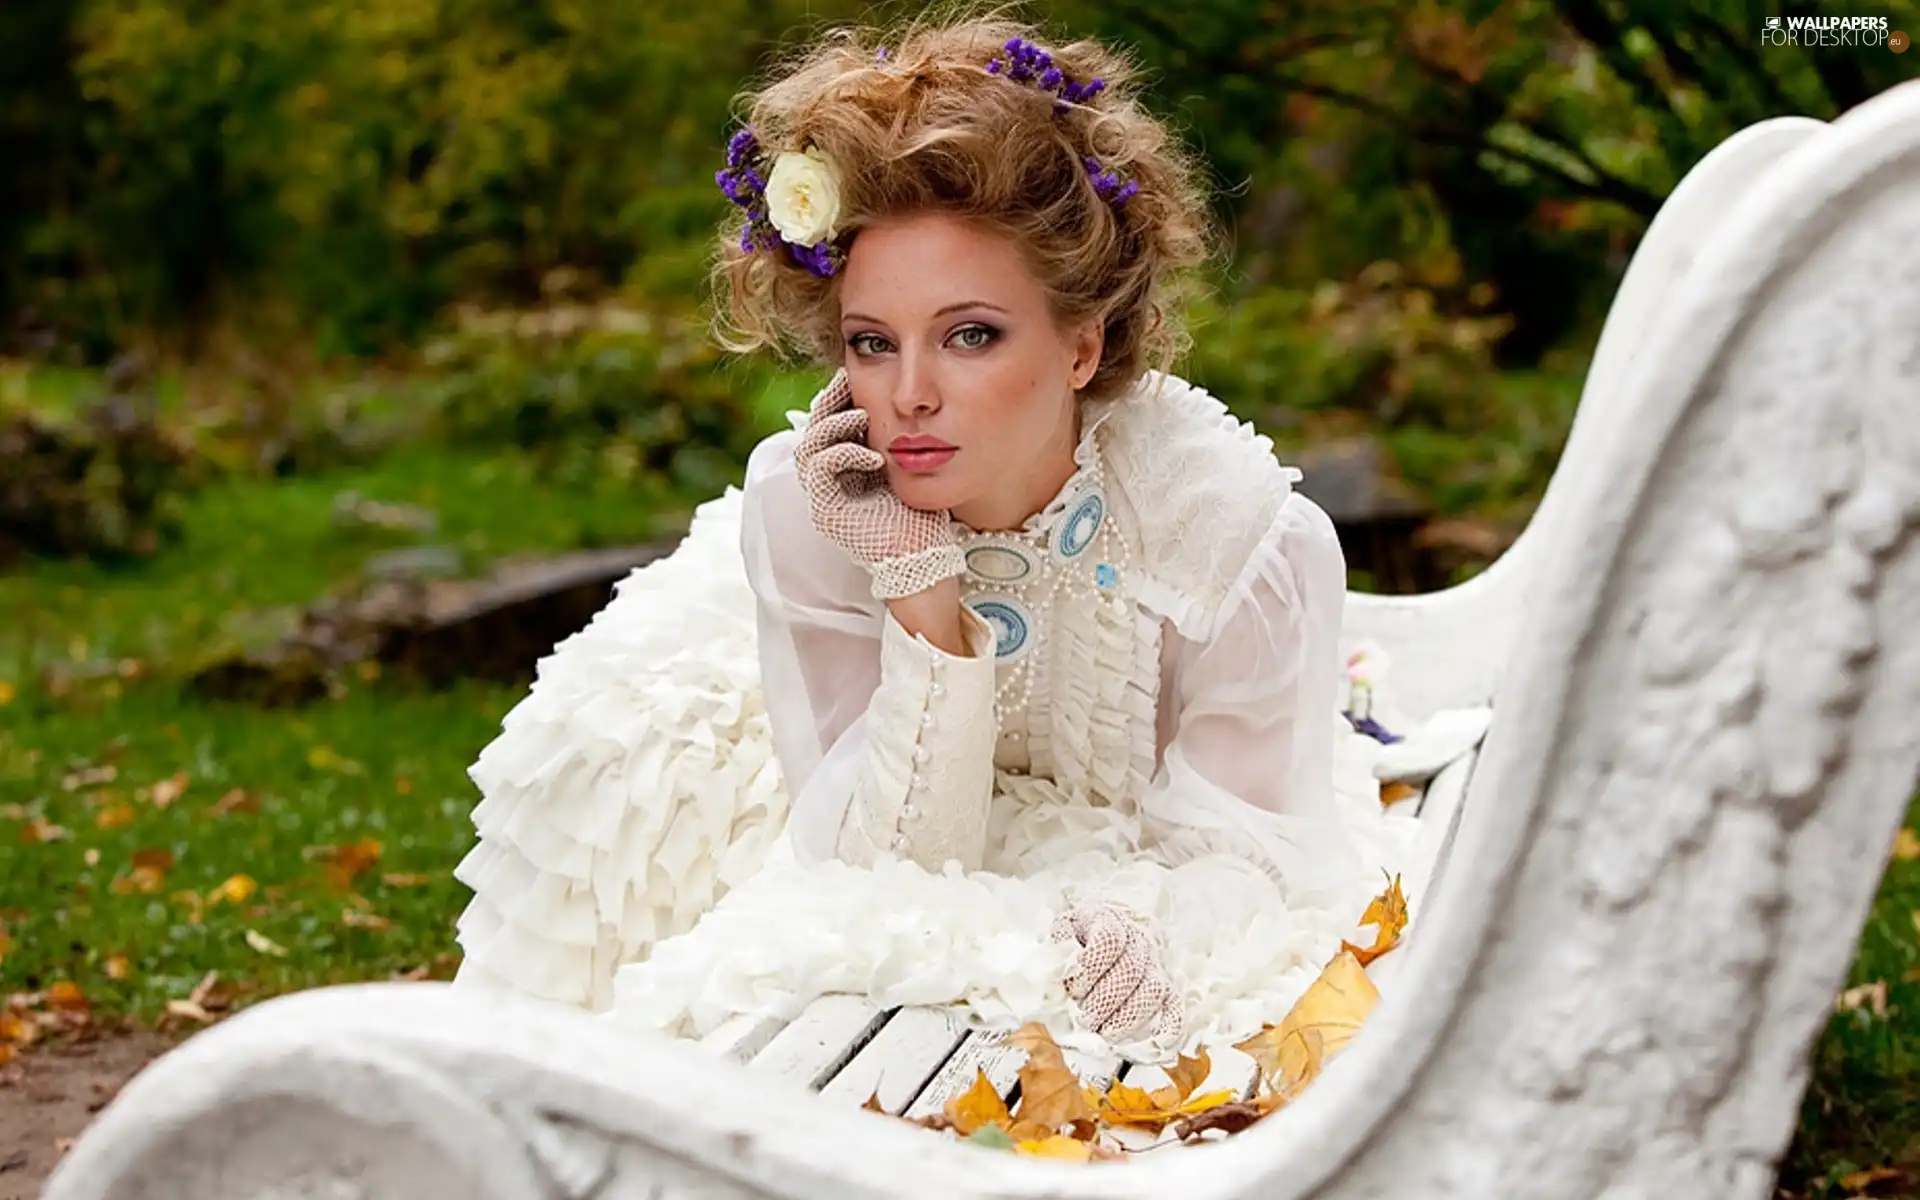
(854, 316)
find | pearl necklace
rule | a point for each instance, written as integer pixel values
(1072, 550)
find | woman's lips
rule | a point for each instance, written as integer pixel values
(922, 461)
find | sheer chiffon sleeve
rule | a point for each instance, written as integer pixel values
(885, 741)
(1249, 719)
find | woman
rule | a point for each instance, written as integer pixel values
(1032, 683)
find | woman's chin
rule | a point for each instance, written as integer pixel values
(928, 493)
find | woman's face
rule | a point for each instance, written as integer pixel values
(967, 382)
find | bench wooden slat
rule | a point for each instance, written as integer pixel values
(900, 1059)
(983, 1050)
(821, 1040)
(743, 1036)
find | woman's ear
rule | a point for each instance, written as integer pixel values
(1088, 342)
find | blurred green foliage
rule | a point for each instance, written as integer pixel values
(598, 390)
(103, 484)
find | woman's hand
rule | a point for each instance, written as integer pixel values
(1116, 978)
(906, 550)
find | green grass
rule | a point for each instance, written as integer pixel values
(382, 761)
(1863, 1105)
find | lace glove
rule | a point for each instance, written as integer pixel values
(1117, 979)
(906, 550)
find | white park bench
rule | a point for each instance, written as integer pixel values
(1641, 895)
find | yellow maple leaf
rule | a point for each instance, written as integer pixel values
(1388, 914)
(1126, 1105)
(1324, 1019)
(1058, 1146)
(978, 1107)
(1906, 845)
(1051, 1095)
(237, 889)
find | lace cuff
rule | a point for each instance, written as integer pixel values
(928, 782)
(916, 572)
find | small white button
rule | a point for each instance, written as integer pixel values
(926, 720)
(920, 756)
(900, 842)
(938, 690)
(918, 783)
(908, 812)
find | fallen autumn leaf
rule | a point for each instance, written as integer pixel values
(264, 944)
(168, 790)
(1872, 996)
(1051, 1095)
(235, 889)
(1325, 1018)
(1388, 914)
(1058, 1146)
(978, 1107)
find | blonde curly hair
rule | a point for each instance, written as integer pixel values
(925, 126)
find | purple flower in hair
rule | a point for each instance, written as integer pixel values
(741, 146)
(1026, 62)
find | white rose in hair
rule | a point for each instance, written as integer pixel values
(803, 197)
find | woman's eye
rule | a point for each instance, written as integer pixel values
(860, 343)
(980, 336)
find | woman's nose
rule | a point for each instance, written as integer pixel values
(917, 392)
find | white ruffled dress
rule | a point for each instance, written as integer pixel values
(744, 785)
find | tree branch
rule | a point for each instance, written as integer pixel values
(1591, 21)
(1608, 186)
(1772, 95)
(1603, 186)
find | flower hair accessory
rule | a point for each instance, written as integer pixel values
(1028, 63)
(792, 202)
